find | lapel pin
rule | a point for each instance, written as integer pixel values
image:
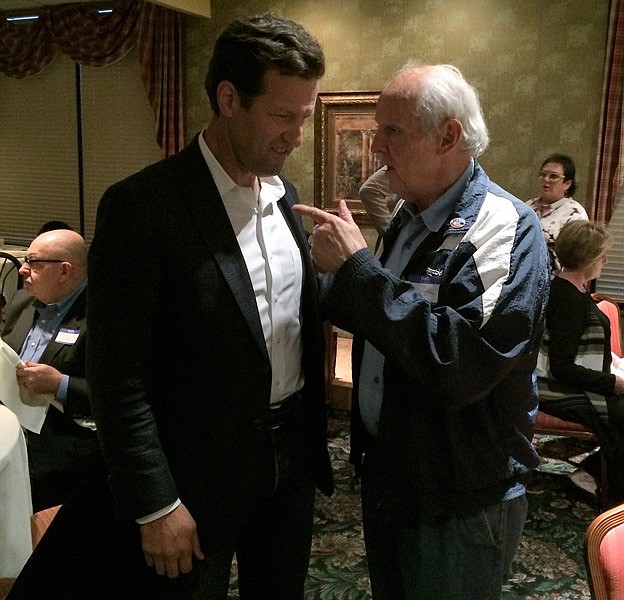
(457, 223)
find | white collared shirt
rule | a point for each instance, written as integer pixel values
(275, 268)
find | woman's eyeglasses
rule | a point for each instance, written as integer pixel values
(550, 176)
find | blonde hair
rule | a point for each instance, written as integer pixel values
(581, 242)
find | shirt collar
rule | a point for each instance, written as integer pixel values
(558, 203)
(272, 188)
(434, 217)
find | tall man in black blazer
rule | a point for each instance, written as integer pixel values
(46, 325)
(205, 346)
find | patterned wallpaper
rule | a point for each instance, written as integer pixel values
(537, 66)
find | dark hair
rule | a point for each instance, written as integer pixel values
(53, 226)
(581, 242)
(569, 170)
(249, 47)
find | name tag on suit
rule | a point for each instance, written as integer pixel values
(67, 336)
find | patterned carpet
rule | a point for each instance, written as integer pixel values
(548, 564)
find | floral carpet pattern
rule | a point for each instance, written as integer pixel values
(549, 561)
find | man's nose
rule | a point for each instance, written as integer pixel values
(377, 144)
(294, 135)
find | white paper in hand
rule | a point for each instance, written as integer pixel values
(30, 408)
(617, 365)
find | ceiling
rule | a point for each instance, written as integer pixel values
(11, 5)
(194, 7)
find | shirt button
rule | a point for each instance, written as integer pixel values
(258, 424)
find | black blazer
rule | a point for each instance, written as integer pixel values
(177, 361)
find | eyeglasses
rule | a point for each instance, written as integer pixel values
(34, 261)
(550, 176)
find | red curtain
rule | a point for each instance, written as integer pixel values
(27, 49)
(93, 39)
(97, 40)
(609, 162)
(160, 53)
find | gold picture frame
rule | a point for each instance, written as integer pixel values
(344, 128)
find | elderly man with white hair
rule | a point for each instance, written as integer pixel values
(46, 325)
(446, 323)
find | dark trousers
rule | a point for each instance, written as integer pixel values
(59, 458)
(457, 557)
(88, 554)
(273, 553)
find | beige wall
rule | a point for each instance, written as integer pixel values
(537, 66)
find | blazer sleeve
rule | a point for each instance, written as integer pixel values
(124, 296)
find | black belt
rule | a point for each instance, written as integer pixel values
(279, 414)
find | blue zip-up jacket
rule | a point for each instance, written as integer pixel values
(460, 331)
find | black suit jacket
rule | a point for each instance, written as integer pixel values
(177, 362)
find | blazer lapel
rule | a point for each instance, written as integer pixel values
(232, 265)
(72, 320)
(22, 326)
(214, 225)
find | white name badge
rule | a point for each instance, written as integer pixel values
(67, 336)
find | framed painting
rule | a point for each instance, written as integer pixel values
(344, 128)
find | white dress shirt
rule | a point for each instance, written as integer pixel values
(274, 264)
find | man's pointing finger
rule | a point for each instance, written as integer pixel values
(318, 215)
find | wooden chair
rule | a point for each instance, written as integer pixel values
(603, 551)
(9, 272)
(39, 523)
(338, 383)
(611, 308)
(549, 425)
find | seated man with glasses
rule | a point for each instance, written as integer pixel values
(46, 325)
(555, 205)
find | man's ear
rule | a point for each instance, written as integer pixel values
(67, 268)
(451, 134)
(227, 98)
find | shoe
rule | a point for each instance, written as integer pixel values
(592, 464)
(584, 481)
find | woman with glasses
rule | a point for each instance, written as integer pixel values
(555, 205)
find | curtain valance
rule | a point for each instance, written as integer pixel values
(97, 40)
